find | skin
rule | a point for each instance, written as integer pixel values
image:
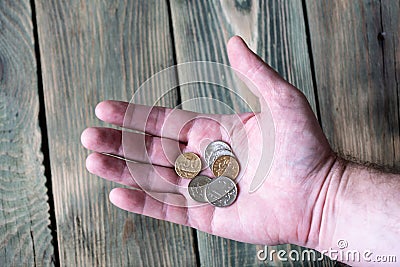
(307, 199)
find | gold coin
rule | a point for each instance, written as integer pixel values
(226, 166)
(188, 165)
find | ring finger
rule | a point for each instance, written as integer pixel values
(138, 175)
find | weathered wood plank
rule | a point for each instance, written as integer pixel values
(25, 237)
(276, 31)
(92, 51)
(357, 75)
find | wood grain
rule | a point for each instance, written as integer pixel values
(276, 31)
(355, 46)
(25, 238)
(92, 51)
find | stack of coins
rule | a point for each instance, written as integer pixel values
(220, 191)
(221, 160)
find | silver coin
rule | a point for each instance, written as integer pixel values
(221, 192)
(197, 187)
(214, 146)
(218, 153)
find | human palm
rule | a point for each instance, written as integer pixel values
(284, 209)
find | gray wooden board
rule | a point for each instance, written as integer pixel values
(92, 51)
(276, 31)
(25, 238)
(357, 76)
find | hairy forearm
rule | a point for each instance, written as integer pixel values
(362, 212)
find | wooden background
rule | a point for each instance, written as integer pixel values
(58, 59)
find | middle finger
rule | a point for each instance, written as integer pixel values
(133, 146)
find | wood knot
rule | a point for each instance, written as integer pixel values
(381, 36)
(243, 5)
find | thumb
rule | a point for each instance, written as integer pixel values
(258, 75)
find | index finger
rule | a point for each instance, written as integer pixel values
(158, 121)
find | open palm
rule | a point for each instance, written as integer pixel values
(287, 206)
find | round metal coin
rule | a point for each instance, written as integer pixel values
(226, 166)
(188, 165)
(218, 153)
(197, 188)
(221, 192)
(214, 146)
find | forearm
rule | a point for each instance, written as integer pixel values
(362, 208)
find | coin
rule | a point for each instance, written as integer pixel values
(221, 192)
(197, 188)
(215, 146)
(187, 165)
(226, 166)
(217, 154)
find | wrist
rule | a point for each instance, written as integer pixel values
(329, 189)
(331, 202)
(357, 209)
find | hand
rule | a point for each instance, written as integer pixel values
(288, 206)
